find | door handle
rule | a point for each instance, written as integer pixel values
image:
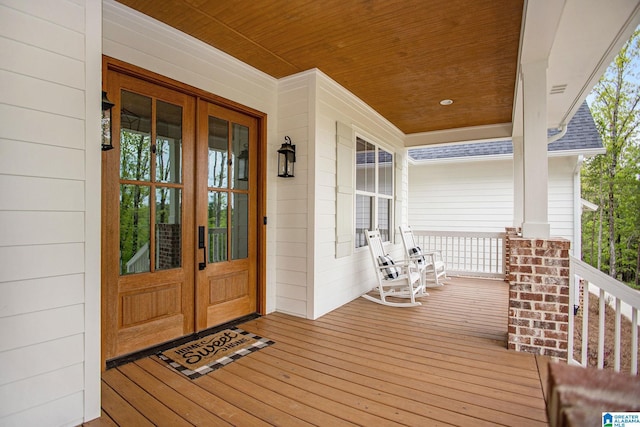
(202, 245)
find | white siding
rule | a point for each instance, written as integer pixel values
(337, 281)
(311, 280)
(402, 191)
(49, 324)
(469, 196)
(478, 196)
(292, 204)
(561, 196)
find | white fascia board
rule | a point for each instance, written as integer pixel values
(467, 159)
(459, 135)
(586, 152)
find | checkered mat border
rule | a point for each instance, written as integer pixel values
(259, 343)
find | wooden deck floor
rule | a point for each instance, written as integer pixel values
(444, 363)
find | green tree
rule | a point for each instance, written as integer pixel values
(629, 223)
(609, 179)
(592, 226)
(134, 199)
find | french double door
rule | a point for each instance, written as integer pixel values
(180, 210)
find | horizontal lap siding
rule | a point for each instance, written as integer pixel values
(338, 281)
(478, 196)
(561, 194)
(461, 196)
(311, 281)
(292, 206)
(42, 212)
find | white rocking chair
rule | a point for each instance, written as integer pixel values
(431, 265)
(400, 280)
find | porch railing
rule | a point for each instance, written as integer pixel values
(139, 262)
(623, 299)
(217, 244)
(467, 253)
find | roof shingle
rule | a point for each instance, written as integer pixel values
(581, 135)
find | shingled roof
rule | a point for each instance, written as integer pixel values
(581, 135)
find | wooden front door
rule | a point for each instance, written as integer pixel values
(226, 216)
(179, 216)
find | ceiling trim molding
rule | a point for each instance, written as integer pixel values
(466, 134)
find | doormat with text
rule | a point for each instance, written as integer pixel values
(201, 356)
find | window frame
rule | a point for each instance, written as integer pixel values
(377, 194)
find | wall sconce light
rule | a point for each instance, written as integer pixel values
(107, 105)
(243, 165)
(286, 158)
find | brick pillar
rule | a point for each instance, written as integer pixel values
(539, 296)
(510, 232)
(168, 237)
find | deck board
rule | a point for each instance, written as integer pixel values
(147, 403)
(404, 369)
(385, 338)
(443, 363)
(198, 395)
(174, 401)
(119, 410)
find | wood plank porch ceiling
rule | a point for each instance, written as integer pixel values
(400, 57)
(444, 363)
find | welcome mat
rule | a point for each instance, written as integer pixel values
(203, 355)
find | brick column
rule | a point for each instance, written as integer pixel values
(509, 233)
(168, 245)
(539, 296)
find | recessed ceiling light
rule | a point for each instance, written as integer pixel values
(446, 102)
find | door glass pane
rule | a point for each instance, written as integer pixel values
(240, 147)
(364, 218)
(134, 229)
(385, 172)
(218, 204)
(218, 152)
(384, 219)
(239, 226)
(135, 137)
(168, 228)
(365, 166)
(168, 143)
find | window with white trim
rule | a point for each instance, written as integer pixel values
(374, 191)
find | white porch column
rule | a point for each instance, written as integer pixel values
(518, 181)
(535, 161)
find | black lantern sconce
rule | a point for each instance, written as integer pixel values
(243, 165)
(107, 105)
(286, 158)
